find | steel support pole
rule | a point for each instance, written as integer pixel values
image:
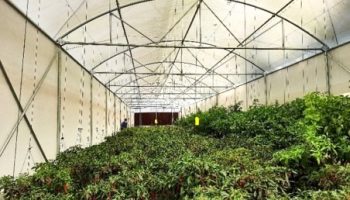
(328, 81)
(265, 89)
(120, 114)
(235, 96)
(115, 115)
(59, 101)
(91, 110)
(106, 112)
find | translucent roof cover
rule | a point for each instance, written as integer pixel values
(174, 52)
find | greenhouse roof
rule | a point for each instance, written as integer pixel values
(174, 52)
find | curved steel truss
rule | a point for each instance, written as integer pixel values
(180, 58)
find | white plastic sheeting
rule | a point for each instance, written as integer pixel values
(287, 84)
(184, 47)
(55, 93)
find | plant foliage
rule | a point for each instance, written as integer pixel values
(299, 150)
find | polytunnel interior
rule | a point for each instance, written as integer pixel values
(80, 67)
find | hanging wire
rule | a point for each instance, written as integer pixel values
(98, 133)
(78, 136)
(28, 158)
(36, 51)
(64, 93)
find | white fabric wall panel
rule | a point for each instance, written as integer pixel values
(8, 117)
(27, 153)
(295, 81)
(122, 111)
(256, 91)
(226, 99)
(240, 96)
(132, 120)
(111, 112)
(315, 74)
(339, 61)
(73, 131)
(118, 113)
(205, 102)
(98, 113)
(40, 53)
(201, 106)
(276, 84)
(223, 99)
(44, 109)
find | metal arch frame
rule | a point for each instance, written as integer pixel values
(234, 1)
(182, 43)
(188, 47)
(161, 40)
(147, 76)
(283, 18)
(157, 93)
(215, 66)
(112, 79)
(222, 23)
(161, 99)
(187, 96)
(325, 46)
(132, 27)
(169, 41)
(179, 74)
(101, 15)
(170, 86)
(127, 40)
(176, 62)
(165, 93)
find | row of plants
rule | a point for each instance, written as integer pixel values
(299, 150)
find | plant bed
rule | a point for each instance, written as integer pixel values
(298, 150)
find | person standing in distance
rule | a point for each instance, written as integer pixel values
(124, 124)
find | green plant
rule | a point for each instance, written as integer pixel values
(299, 150)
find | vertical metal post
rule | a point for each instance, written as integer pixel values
(91, 110)
(120, 113)
(265, 89)
(328, 81)
(115, 115)
(59, 101)
(235, 95)
(106, 112)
